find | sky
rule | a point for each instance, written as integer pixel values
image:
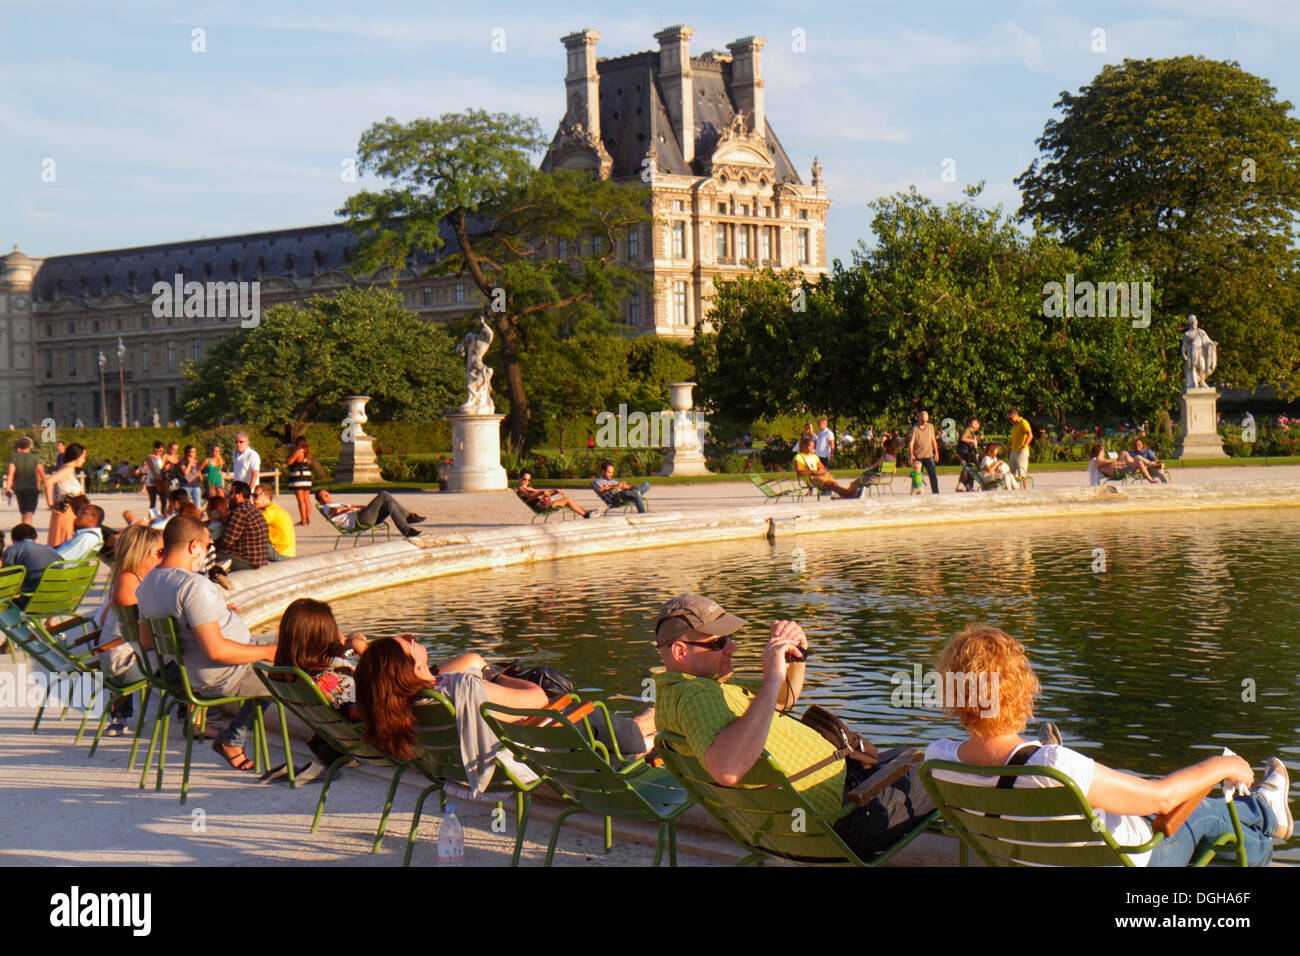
(116, 131)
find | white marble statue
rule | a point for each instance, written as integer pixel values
(478, 376)
(1200, 355)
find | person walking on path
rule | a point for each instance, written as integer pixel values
(24, 478)
(922, 446)
(299, 468)
(824, 442)
(212, 480)
(1021, 435)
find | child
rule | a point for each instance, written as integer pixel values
(917, 478)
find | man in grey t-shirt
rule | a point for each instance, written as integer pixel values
(217, 649)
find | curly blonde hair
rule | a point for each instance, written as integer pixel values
(985, 654)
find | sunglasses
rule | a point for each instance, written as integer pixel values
(717, 644)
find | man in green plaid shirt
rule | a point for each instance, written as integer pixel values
(729, 725)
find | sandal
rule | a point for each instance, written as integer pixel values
(238, 761)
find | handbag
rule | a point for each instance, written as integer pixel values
(555, 683)
(849, 745)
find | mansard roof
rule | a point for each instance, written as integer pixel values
(633, 115)
(285, 253)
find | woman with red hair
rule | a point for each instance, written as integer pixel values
(986, 658)
(391, 676)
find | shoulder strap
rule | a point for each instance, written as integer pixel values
(1017, 759)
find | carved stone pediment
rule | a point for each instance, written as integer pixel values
(576, 147)
(739, 151)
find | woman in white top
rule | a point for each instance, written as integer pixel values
(60, 486)
(992, 468)
(998, 665)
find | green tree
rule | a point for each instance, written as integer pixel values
(571, 377)
(946, 312)
(768, 351)
(1195, 164)
(299, 362)
(469, 180)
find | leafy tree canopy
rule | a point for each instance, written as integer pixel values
(468, 181)
(945, 312)
(298, 363)
(1195, 164)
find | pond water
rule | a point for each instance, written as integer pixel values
(1158, 639)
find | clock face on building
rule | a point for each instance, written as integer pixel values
(20, 303)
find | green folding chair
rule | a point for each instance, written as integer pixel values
(11, 585)
(774, 489)
(128, 620)
(54, 658)
(293, 688)
(356, 531)
(882, 479)
(581, 772)
(438, 758)
(167, 641)
(770, 818)
(1043, 826)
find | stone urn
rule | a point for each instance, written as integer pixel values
(683, 455)
(357, 464)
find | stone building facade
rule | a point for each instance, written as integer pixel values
(725, 197)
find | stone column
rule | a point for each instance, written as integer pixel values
(357, 463)
(1198, 433)
(684, 455)
(475, 453)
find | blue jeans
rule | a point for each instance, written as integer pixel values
(633, 495)
(196, 495)
(249, 685)
(928, 465)
(1209, 821)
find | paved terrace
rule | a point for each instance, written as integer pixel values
(460, 513)
(57, 807)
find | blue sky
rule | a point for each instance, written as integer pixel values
(153, 142)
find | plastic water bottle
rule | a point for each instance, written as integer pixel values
(451, 839)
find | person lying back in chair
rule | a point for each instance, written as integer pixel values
(380, 507)
(541, 501)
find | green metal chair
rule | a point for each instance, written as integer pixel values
(767, 816)
(438, 758)
(882, 479)
(774, 489)
(356, 531)
(167, 641)
(62, 587)
(1040, 826)
(581, 772)
(54, 658)
(128, 620)
(293, 688)
(11, 585)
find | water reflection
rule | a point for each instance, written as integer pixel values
(1180, 640)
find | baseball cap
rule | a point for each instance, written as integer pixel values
(693, 612)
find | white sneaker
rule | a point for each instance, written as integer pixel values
(1276, 791)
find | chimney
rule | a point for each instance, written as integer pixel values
(581, 83)
(675, 82)
(747, 81)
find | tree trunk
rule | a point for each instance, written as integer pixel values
(514, 384)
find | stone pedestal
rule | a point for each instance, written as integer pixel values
(357, 463)
(683, 455)
(1198, 435)
(475, 453)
